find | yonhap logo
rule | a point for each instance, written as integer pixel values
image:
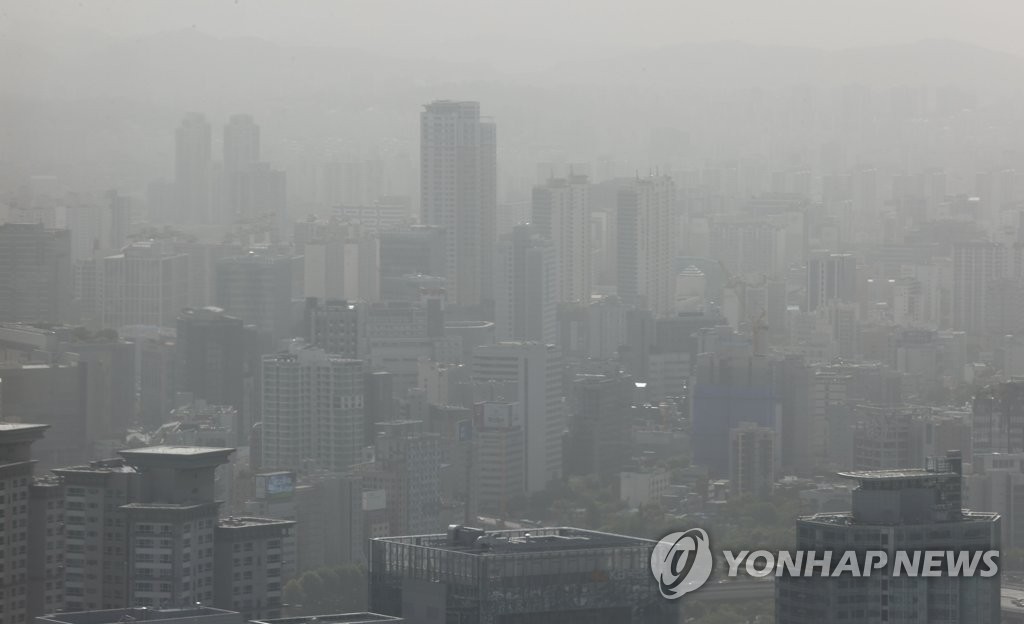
(682, 562)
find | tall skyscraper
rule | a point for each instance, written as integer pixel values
(645, 243)
(312, 410)
(905, 509)
(458, 191)
(525, 287)
(529, 373)
(561, 213)
(35, 273)
(241, 144)
(192, 152)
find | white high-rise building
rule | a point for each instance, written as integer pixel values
(241, 144)
(458, 191)
(525, 287)
(561, 213)
(146, 284)
(531, 372)
(312, 410)
(192, 149)
(645, 249)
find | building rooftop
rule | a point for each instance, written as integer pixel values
(551, 539)
(338, 618)
(102, 466)
(904, 473)
(192, 615)
(9, 427)
(232, 522)
(173, 456)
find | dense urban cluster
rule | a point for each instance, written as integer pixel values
(332, 394)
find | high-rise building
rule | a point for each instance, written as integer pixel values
(500, 453)
(248, 564)
(416, 251)
(145, 284)
(31, 560)
(337, 326)
(241, 144)
(312, 410)
(998, 418)
(599, 428)
(525, 287)
(192, 152)
(976, 266)
(530, 575)
(188, 614)
(561, 213)
(170, 526)
(35, 273)
(831, 277)
(259, 193)
(645, 245)
(215, 363)
(257, 288)
(905, 509)
(730, 389)
(751, 461)
(93, 497)
(458, 191)
(528, 373)
(407, 467)
(996, 483)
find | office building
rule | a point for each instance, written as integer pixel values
(831, 277)
(751, 461)
(241, 143)
(998, 418)
(145, 284)
(215, 361)
(905, 509)
(561, 214)
(337, 326)
(249, 565)
(996, 484)
(528, 373)
(500, 454)
(458, 191)
(407, 467)
(188, 614)
(645, 244)
(599, 425)
(525, 287)
(257, 288)
(530, 575)
(730, 389)
(329, 528)
(46, 547)
(312, 410)
(192, 152)
(35, 273)
(976, 265)
(408, 253)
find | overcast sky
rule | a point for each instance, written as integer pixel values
(421, 26)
